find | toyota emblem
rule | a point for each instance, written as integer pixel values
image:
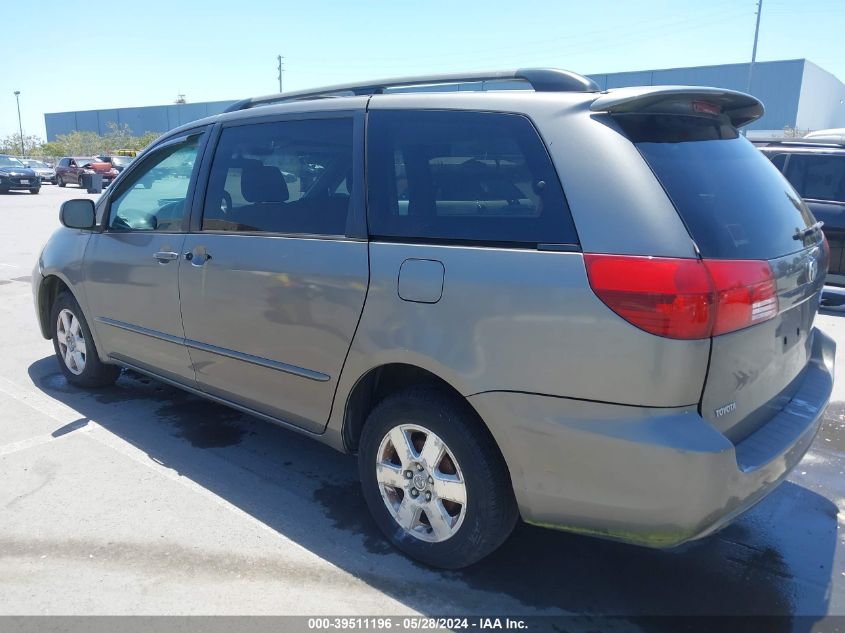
(812, 269)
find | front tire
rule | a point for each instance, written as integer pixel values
(74, 346)
(34, 191)
(60, 181)
(434, 479)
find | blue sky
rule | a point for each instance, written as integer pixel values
(122, 53)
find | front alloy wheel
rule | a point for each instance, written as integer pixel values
(74, 345)
(71, 341)
(421, 483)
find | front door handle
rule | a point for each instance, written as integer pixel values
(165, 256)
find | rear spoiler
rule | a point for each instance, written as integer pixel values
(741, 108)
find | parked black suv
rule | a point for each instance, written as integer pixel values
(15, 175)
(816, 168)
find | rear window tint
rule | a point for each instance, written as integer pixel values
(733, 200)
(463, 176)
(818, 176)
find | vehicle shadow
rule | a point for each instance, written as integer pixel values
(775, 560)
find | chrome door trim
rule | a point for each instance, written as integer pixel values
(259, 360)
(170, 338)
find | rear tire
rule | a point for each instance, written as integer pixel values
(74, 346)
(79, 182)
(457, 506)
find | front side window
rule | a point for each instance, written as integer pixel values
(153, 197)
(463, 176)
(818, 176)
(281, 177)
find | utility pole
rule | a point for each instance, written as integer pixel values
(281, 68)
(754, 50)
(20, 126)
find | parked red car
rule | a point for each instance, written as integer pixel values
(70, 170)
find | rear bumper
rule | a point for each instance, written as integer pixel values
(655, 477)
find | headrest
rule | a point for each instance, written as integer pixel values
(263, 184)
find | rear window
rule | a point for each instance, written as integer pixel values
(463, 177)
(734, 202)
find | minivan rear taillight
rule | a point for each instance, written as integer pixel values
(684, 298)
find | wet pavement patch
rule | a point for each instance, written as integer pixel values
(201, 422)
(345, 506)
(204, 424)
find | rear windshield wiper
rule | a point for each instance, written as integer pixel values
(800, 234)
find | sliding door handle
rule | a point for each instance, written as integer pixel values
(165, 256)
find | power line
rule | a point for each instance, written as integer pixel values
(571, 45)
(554, 44)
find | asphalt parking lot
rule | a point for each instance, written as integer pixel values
(141, 499)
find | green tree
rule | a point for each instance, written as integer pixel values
(52, 149)
(83, 143)
(117, 137)
(140, 142)
(12, 144)
(78, 143)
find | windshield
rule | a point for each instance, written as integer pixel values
(123, 161)
(86, 160)
(36, 163)
(734, 202)
(8, 161)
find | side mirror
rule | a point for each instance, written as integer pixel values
(78, 214)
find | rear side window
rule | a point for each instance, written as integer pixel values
(464, 177)
(282, 177)
(778, 160)
(818, 176)
(733, 200)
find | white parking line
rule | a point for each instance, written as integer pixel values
(38, 440)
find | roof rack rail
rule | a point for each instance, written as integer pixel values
(541, 79)
(807, 142)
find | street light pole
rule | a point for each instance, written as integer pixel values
(20, 126)
(754, 49)
(281, 68)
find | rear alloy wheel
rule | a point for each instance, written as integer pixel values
(74, 346)
(434, 479)
(421, 483)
